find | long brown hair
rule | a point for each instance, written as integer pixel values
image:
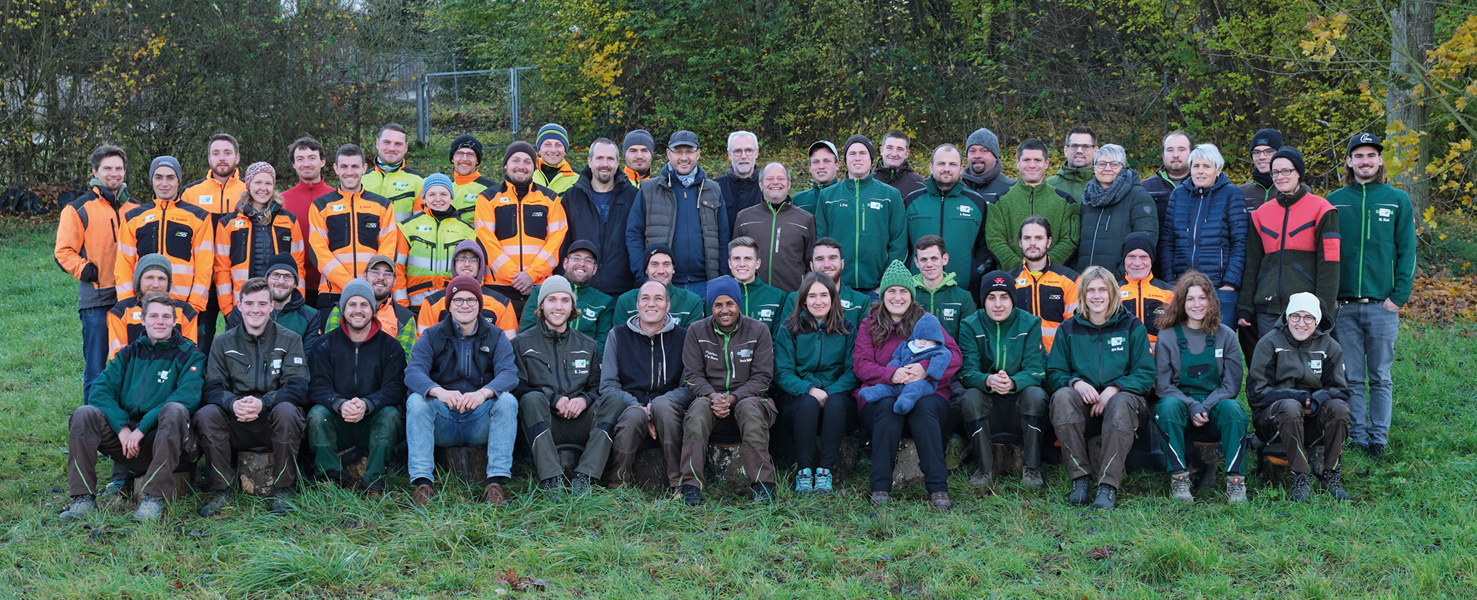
(835, 320)
(1174, 313)
(883, 327)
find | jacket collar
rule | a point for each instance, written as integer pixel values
(634, 324)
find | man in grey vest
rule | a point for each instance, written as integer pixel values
(681, 208)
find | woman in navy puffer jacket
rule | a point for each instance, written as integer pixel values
(1205, 228)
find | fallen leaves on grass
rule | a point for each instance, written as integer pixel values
(1441, 298)
(512, 580)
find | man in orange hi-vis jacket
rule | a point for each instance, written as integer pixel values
(347, 227)
(522, 225)
(181, 232)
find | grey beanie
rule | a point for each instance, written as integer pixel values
(553, 285)
(639, 137)
(153, 261)
(986, 138)
(166, 161)
(357, 287)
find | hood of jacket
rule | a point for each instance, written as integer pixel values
(634, 324)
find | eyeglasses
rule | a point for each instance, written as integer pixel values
(1284, 172)
(1109, 164)
(1298, 318)
(1080, 146)
(464, 302)
(1256, 153)
(743, 151)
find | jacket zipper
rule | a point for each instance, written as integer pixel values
(774, 238)
(727, 367)
(856, 234)
(1282, 246)
(1363, 233)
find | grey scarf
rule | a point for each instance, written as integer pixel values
(1097, 197)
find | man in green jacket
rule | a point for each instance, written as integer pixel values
(945, 208)
(1004, 364)
(823, 167)
(1032, 196)
(559, 402)
(594, 307)
(138, 414)
(684, 306)
(825, 257)
(866, 216)
(936, 288)
(760, 302)
(1074, 176)
(1377, 270)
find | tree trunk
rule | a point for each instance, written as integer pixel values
(1412, 27)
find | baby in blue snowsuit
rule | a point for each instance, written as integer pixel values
(925, 346)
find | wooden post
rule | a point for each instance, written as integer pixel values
(467, 462)
(254, 469)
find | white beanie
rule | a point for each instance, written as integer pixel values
(1304, 301)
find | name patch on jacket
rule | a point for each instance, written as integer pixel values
(1115, 343)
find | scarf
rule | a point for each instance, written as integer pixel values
(983, 179)
(1098, 197)
(387, 167)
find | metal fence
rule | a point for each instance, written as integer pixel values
(487, 101)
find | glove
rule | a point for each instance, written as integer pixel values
(89, 273)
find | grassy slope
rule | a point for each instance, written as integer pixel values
(1409, 534)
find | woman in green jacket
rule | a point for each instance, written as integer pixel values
(814, 377)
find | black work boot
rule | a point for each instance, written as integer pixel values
(1107, 497)
(1080, 487)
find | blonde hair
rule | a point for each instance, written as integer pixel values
(1093, 273)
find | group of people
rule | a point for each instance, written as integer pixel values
(620, 308)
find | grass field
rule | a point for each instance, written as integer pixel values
(1408, 534)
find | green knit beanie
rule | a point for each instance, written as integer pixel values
(896, 274)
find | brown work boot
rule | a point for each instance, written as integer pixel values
(422, 495)
(493, 494)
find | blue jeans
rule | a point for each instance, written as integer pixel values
(1367, 333)
(94, 345)
(1228, 307)
(697, 287)
(430, 423)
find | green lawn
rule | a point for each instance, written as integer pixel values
(1408, 534)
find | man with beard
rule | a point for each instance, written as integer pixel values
(1174, 171)
(390, 178)
(308, 160)
(358, 391)
(1032, 196)
(393, 318)
(894, 169)
(783, 232)
(521, 224)
(740, 186)
(1260, 189)
(1074, 176)
(288, 308)
(637, 148)
(680, 208)
(178, 231)
(593, 308)
(1043, 287)
(825, 258)
(823, 165)
(953, 212)
(216, 194)
(552, 170)
(982, 174)
(255, 385)
(684, 306)
(348, 224)
(559, 403)
(640, 366)
(467, 261)
(597, 207)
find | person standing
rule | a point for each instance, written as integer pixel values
(637, 148)
(942, 207)
(1377, 271)
(87, 249)
(680, 208)
(308, 161)
(428, 240)
(1173, 171)
(1294, 247)
(784, 232)
(1114, 206)
(348, 226)
(1074, 175)
(823, 166)
(597, 206)
(983, 174)
(1032, 196)
(1260, 189)
(894, 169)
(522, 226)
(866, 216)
(467, 181)
(217, 194)
(740, 186)
(641, 367)
(390, 178)
(249, 238)
(1004, 364)
(935, 287)
(552, 171)
(813, 381)
(1205, 229)
(180, 232)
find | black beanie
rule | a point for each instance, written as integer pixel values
(1292, 154)
(466, 141)
(859, 139)
(997, 281)
(282, 261)
(1138, 240)
(517, 147)
(1266, 137)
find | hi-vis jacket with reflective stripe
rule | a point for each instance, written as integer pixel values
(213, 196)
(520, 234)
(1051, 295)
(401, 187)
(427, 248)
(126, 323)
(181, 232)
(237, 256)
(345, 231)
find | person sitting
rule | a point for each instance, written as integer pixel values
(1297, 383)
(642, 367)
(925, 347)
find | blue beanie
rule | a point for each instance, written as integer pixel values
(552, 131)
(435, 180)
(723, 286)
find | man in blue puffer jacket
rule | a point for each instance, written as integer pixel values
(1205, 228)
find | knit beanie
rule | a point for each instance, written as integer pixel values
(1138, 240)
(1307, 302)
(986, 138)
(156, 261)
(723, 286)
(997, 281)
(928, 328)
(475, 248)
(517, 147)
(654, 250)
(552, 285)
(166, 161)
(282, 261)
(466, 140)
(257, 168)
(1266, 137)
(640, 137)
(896, 275)
(1291, 154)
(552, 131)
(357, 287)
(863, 140)
(462, 283)
(436, 180)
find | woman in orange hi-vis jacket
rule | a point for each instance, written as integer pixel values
(256, 231)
